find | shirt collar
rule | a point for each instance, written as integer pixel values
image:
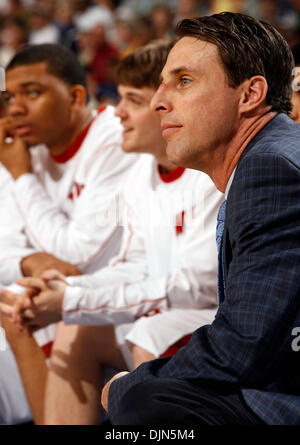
(75, 146)
(229, 183)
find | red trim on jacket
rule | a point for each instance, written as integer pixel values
(47, 349)
(75, 146)
(176, 346)
(179, 223)
(78, 188)
(172, 175)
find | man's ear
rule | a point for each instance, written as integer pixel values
(78, 96)
(295, 114)
(254, 92)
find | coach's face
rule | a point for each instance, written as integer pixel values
(38, 104)
(199, 111)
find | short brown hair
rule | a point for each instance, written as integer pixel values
(247, 47)
(142, 68)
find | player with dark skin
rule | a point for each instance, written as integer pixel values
(41, 110)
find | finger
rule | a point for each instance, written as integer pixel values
(57, 286)
(31, 323)
(33, 329)
(33, 283)
(16, 315)
(21, 303)
(6, 310)
(8, 296)
(28, 314)
(26, 298)
(28, 302)
(53, 274)
(28, 331)
(19, 316)
(4, 130)
(22, 326)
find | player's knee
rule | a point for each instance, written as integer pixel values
(65, 336)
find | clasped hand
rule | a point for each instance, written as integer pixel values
(39, 305)
(14, 155)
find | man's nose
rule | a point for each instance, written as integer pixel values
(16, 107)
(160, 101)
(120, 111)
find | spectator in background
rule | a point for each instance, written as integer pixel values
(124, 24)
(295, 6)
(133, 32)
(187, 9)
(228, 5)
(284, 19)
(43, 29)
(80, 7)
(64, 19)
(97, 55)
(15, 9)
(96, 14)
(103, 55)
(144, 7)
(162, 21)
(112, 5)
(12, 38)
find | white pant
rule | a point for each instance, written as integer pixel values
(14, 408)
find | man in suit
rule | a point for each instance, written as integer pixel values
(224, 103)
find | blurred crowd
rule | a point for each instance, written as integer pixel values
(101, 32)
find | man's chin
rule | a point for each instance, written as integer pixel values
(175, 155)
(127, 148)
(30, 141)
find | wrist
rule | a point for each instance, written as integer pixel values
(25, 269)
(62, 290)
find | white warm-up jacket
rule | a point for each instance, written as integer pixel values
(61, 207)
(168, 258)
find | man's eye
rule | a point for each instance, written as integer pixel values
(135, 101)
(184, 81)
(7, 99)
(33, 93)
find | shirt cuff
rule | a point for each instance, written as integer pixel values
(70, 310)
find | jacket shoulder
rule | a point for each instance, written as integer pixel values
(279, 138)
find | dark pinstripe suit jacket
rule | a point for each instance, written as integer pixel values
(249, 344)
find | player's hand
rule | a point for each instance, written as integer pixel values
(45, 305)
(105, 390)
(36, 264)
(12, 304)
(12, 331)
(14, 154)
(53, 274)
